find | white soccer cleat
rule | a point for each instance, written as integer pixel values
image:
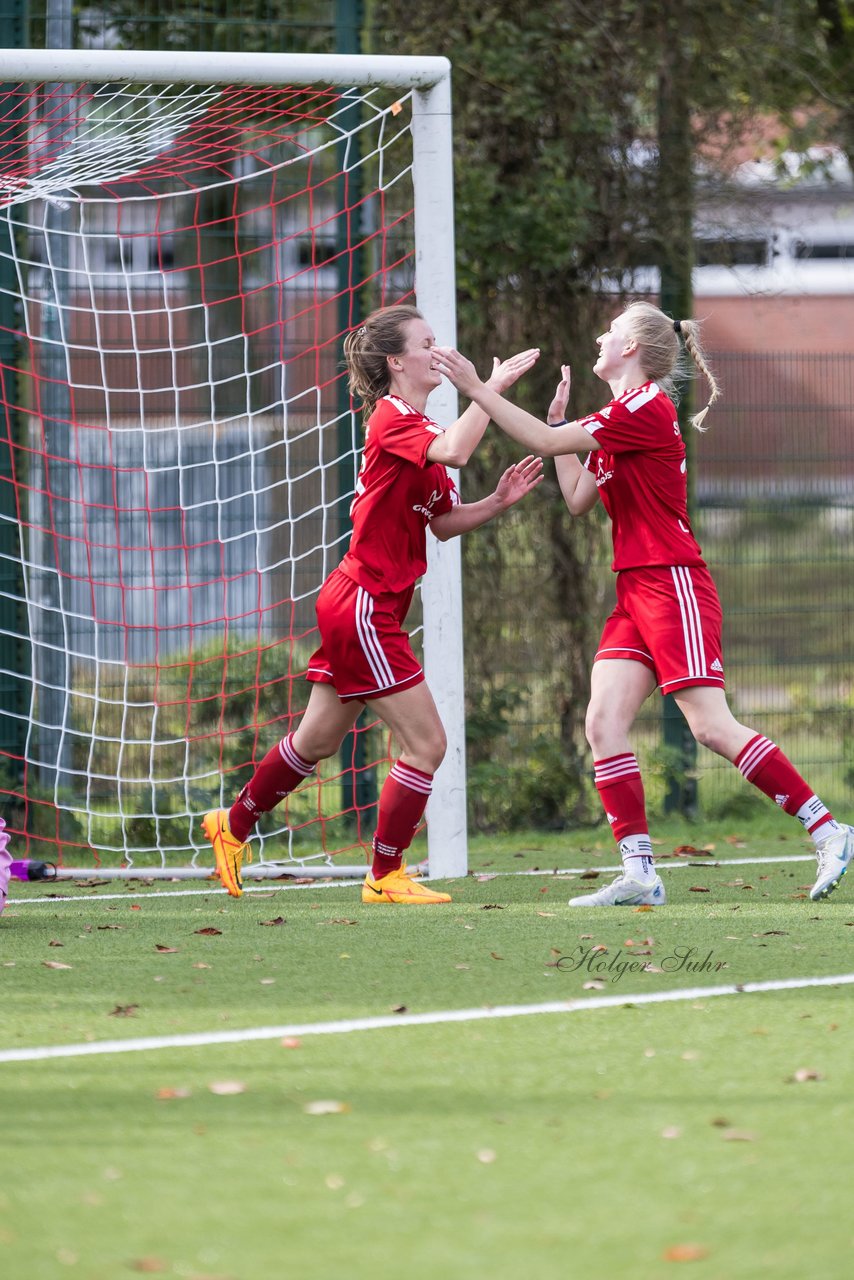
(833, 855)
(625, 892)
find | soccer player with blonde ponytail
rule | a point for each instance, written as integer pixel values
(665, 630)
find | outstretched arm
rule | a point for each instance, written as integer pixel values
(577, 485)
(459, 441)
(522, 427)
(516, 483)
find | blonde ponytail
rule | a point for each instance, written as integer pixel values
(658, 337)
(690, 333)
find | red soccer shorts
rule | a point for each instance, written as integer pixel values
(364, 651)
(669, 618)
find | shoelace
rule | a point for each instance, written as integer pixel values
(823, 855)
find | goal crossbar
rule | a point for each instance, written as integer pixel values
(171, 67)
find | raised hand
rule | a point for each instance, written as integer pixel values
(506, 372)
(457, 369)
(518, 481)
(557, 408)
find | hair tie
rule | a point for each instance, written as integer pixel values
(362, 331)
(677, 327)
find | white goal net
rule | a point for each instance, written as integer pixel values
(179, 264)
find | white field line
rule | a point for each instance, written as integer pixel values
(345, 1026)
(336, 884)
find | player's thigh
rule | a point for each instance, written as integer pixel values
(618, 689)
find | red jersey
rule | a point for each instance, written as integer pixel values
(398, 491)
(642, 478)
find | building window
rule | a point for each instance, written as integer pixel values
(731, 253)
(829, 251)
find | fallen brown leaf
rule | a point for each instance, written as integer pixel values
(491, 906)
(278, 920)
(159, 946)
(698, 888)
(123, 1011)
(149, 1266)
(54, 942)
(209, 932)
(55, 964)
(685, 1253)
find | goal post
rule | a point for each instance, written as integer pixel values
(173, 471)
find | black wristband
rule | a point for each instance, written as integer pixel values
(563, 422)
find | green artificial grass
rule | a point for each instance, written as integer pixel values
(623, 1141)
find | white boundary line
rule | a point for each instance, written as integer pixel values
(683, 863)
(345, 1026)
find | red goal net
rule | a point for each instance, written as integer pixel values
(178, 267)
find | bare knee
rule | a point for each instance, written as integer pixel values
(599, 729)
(592, 722)
(428, 753)
(724, 736)
(707, 735)
(317, 745)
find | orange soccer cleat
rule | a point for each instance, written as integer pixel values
(397, 886)
(228, 851)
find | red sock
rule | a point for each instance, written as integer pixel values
(763, 763)
(403, 800)
(620, 786)
(279, 772)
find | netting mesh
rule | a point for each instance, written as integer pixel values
(178, 266)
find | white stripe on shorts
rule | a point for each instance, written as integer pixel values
(370, 642)
(692, 627)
